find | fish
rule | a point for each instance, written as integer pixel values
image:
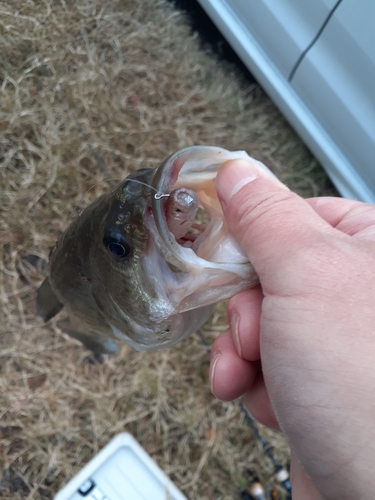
(146, 263)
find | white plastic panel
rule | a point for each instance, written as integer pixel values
(283, 28)
(121, 471)
(336, 79)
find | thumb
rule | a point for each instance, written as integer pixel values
(273, 225)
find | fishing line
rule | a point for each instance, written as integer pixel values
(99, 160)
(90, 147)
(280, 472)
(157, 196)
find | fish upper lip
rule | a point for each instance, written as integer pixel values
(190, 168)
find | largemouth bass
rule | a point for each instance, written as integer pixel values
(138, 265)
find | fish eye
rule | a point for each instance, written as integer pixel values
(117, 249)
(116, 244)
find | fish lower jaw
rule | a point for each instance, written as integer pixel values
(144, 341)
(148, 338)
(164, 334)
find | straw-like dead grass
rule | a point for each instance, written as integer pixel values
(141, 87)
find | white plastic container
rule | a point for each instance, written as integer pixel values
(122, 470)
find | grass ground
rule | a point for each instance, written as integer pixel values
(140, 86)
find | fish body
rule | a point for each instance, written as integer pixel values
(123, 270)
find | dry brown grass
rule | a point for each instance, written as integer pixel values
(141, 87)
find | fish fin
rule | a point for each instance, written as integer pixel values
(95, 343)
(47, 305)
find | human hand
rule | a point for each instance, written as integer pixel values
(301, 346)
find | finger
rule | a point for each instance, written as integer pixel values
(272, 224)
(258, 403)
(230, 375)
(244, 311)
(349, 216)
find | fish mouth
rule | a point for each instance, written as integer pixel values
(206, 240)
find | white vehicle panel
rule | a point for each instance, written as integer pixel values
(340, 166)
(283, 28)
(336, 79)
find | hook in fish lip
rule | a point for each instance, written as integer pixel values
(157, 195)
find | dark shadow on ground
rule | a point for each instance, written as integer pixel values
(210, 36)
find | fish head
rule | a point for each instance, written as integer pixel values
(155, 286)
